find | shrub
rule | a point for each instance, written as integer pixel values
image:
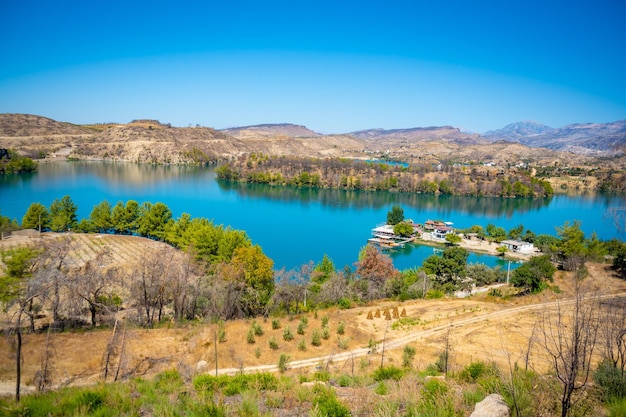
(273, 344)
(301, 327)
(302, 345)
(283, 362)
(381, 388)
(388, 372)
(325, 321)
(341, 327)
(304, 320)
(287, 335)
(327, 404)
(257, 352)
(473, 371)
(611, 381)
(325, 333)
(275, 324)
(344, 303)
(258, 330)
(407, 356)
(250, 337)
(343, 342)
(316, 338)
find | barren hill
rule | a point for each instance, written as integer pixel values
(280, 129)
(155, 142)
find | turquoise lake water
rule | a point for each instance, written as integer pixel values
(295, 226)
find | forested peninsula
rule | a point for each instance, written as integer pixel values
(449, 179)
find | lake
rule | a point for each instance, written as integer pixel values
(295, 225)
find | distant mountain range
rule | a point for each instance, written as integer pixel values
(152, 141)
(587, 138)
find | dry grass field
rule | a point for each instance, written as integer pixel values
(480, 327)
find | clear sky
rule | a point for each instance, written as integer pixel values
(334, 66)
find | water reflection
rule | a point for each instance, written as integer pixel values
(356, 199)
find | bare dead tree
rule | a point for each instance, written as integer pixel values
(43, 377)
(568, 338)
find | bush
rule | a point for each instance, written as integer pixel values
(301, 327)
(325, 333)
(473, 371)
(302, 345)
(316, 338)
(341, 327)
(343, 342)
(273, 344)
(258, 330)
(325, 321)
(388, 372)
(275, 324)
(611, 381)
(287, 335)
(283, 362)
(327, 404)
(407, 356)
(250, 337)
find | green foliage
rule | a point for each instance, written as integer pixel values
(63, 214)
(403, 229)
(101, 218)
(496, 233)
(381, 388)
(388, 372)
(533, 274)
(408, 354)
(250, 336)
(287, 334)
(283, 362)
(611, 380)
(302, 345)
(36, 215)
(325, 332)
(257, 329)
(316, 338)
(395, 215)
(18, 263)
(449, 268)
(326, 403)
(343, 342)
(473, 371)
(13, 163)
(325, 320)
(275, 324)
(301, 327)
(453, 238)
(233, 385)
(273, 343)
(341, 327)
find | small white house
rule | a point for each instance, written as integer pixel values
(518, 246)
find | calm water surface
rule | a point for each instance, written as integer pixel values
(294, 226)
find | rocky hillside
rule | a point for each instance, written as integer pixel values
(601, 139)
(155, 142)
(265, 130)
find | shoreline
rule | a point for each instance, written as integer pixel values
(481, 246)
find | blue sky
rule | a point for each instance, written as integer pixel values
(334, 66)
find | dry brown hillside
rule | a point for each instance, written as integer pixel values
(154, 142)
